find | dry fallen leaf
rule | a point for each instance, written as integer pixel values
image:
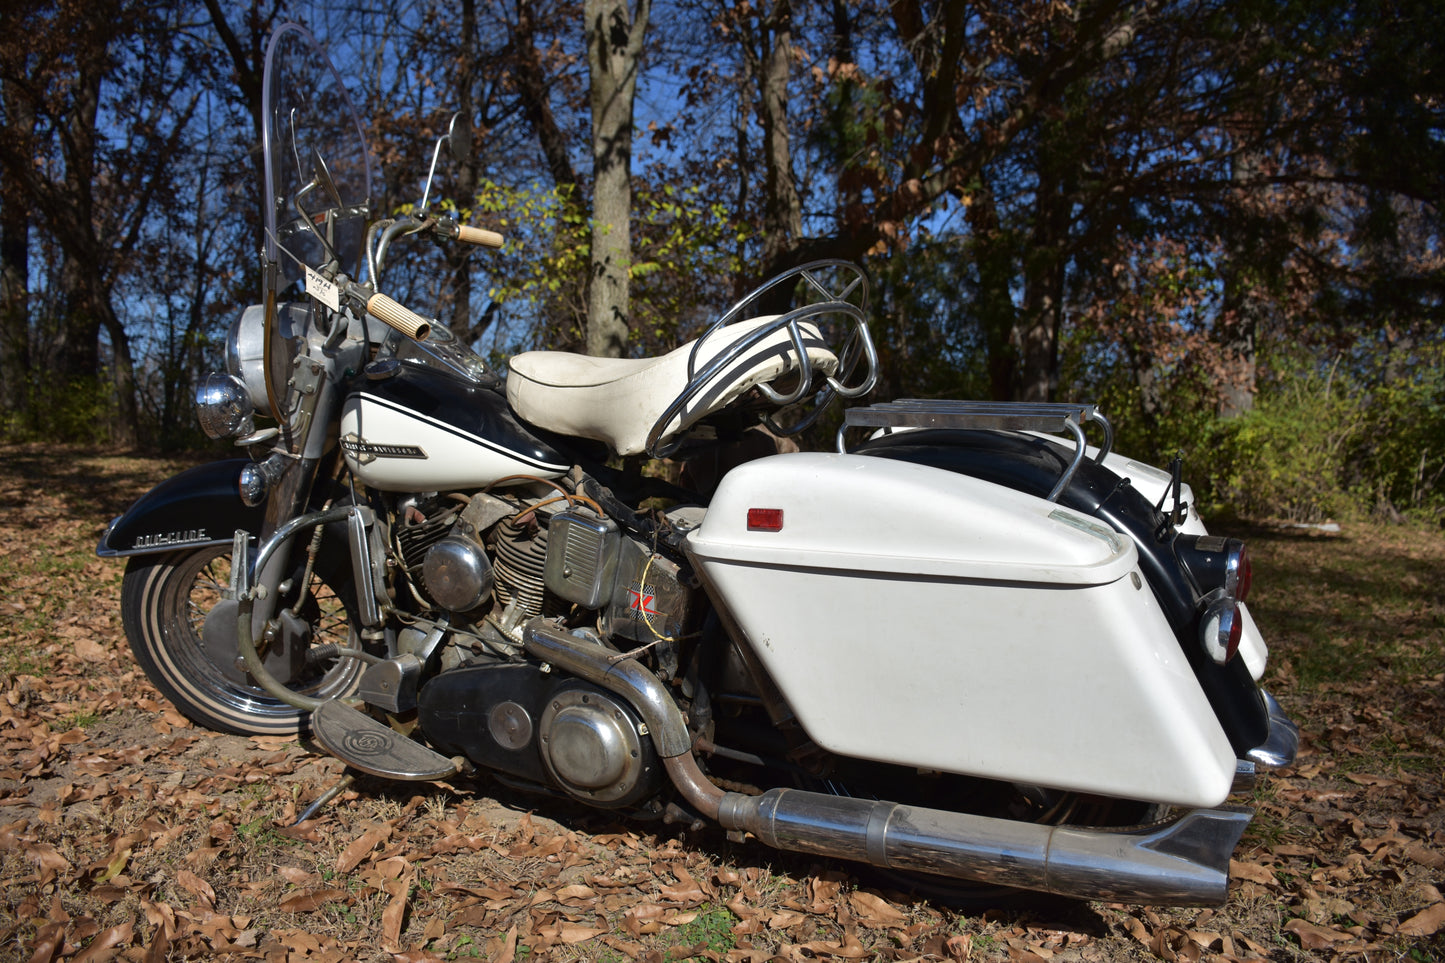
(106, 944)
(876, 912)
(1312, 936)
(1427, 922)
(91, 651)
(358, 850)
(306, 902)
(1252, 872)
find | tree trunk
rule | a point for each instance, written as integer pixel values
(248, 61)
(126, 429)
(15, 272)
(614, 49)
(1240, 312)
(458, 257)
(1045, 269)
(993, 253)
(782, 211)
(532, 85)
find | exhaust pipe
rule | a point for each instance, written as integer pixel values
(1184, 862)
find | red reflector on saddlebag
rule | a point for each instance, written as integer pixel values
(765, 519)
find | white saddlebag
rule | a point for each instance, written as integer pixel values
(916, 616)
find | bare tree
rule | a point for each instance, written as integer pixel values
(614, 52)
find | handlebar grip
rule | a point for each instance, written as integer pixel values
(405, 320)
(479, 236)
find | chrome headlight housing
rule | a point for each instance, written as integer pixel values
(246, 350)
(246, 353)
(223, 406)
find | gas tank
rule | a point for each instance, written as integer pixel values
(421, 429)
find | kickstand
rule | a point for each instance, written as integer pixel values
(342, 784)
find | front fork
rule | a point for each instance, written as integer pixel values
(255, 598)
(272, 645)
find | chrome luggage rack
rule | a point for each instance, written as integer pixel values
(841, 290)
(1050, 418)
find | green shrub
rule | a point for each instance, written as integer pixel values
(1397, 463)
(1286, 458)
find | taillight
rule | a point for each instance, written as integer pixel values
(1215, 563)
(765, 519)
(1221, 628)
(1239, 570)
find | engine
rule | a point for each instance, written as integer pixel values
(513, 718)
(492, 564)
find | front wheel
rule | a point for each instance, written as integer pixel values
(164, 603)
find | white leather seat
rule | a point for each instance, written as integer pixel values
(617, 400)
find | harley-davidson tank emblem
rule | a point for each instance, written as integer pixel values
(366, 451)
(161, 539)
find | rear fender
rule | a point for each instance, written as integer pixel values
(200, 506)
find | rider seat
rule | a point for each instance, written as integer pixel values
(620, 400)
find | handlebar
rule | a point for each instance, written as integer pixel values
(389, 310)
(400, 317)
(479, 236)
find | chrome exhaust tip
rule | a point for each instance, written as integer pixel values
(1184, 862)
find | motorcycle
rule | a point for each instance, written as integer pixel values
(964, 645)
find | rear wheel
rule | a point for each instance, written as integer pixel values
(165, 600)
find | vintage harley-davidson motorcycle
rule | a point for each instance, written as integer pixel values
(965, 645)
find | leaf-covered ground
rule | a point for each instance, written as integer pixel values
(127, 833)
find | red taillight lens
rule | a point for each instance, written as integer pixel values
(1240, 571)
(765, 519)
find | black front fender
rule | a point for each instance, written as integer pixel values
(200, 506)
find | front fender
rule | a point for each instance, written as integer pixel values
(200, 506)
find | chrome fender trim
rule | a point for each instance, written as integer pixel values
(1282, 744)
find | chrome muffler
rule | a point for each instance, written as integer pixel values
(1183, 862)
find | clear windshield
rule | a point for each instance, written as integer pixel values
(309, 124)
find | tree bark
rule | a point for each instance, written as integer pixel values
(993, 253)
(782, 209)
(1045, 269)
(458, 257)
(15, 269)
(614, 50)
(1241, 312)
(533, 86)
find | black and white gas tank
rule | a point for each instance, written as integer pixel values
(408, 427)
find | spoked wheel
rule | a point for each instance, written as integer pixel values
(165, 600)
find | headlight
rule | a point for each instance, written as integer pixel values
(223, 406)
(245, 353)
(246, 349)
(258, 478)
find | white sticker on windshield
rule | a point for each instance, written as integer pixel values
(322, 290)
